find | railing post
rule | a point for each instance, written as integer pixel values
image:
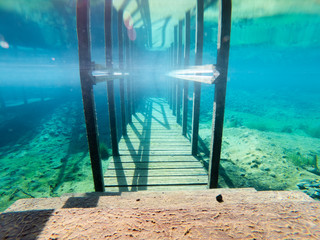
(197, 85)
(174, 85)
(83, 29)
(129, 79)
(178, 82)
(110, 83)
(133, 90)
(122, 98)
(220, 91)
(185, 83)
(170, 81)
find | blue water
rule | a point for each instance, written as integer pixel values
(272, 104)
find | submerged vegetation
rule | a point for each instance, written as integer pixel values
(104, 151)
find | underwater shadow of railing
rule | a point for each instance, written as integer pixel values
(140, 176)
(205, 163)
(164, 115)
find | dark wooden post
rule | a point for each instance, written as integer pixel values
(110, 83)
(129, 79)
(185, 83)
(220, 91)
(122, 98)
(174, 85)
(170, 80)
(178, 82)
(83, 29)
(133, 90)
(197, 85)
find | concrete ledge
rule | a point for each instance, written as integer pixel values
(243, 214)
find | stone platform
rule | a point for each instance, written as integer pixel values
(243, 214)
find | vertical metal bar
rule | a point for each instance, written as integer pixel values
(83, 29)
(220, 91)
(174, 84)
(133, 93)
(129, 90)
(197, 85)
(122, 98)
(170, 80)
(178, 82)
(185, 83)
(110, 83)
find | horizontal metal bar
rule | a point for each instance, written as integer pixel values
(197, 78)
(195, 73)
(108, 75)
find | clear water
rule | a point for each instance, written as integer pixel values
(272, 123)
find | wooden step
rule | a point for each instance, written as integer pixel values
(155, 165)
(131, 181)
(156, 172)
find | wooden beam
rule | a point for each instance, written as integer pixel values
(174, 89)
(133, 89)
(185, 83)
(122, 97)
(197, 85)
(110, 84)
(220, 91)
(84, 43)
(129, 79)
(171, 82)
(178, 82)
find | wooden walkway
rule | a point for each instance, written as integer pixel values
(155, 156)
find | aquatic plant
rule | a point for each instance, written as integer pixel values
(258, 126)
(301, 161)
(311, 130)
(316, 163)
(104, 151)
(287, 129)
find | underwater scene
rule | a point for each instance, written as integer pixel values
(271, 135)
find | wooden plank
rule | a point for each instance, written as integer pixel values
(156, 172)
(156, 165)
(150, 147)
(155, 141)
(156, 181)
(156, 158)
(150, 144)
(157, 188)
(154, 153)
(156, 127)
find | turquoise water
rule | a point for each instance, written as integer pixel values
(272, 122)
